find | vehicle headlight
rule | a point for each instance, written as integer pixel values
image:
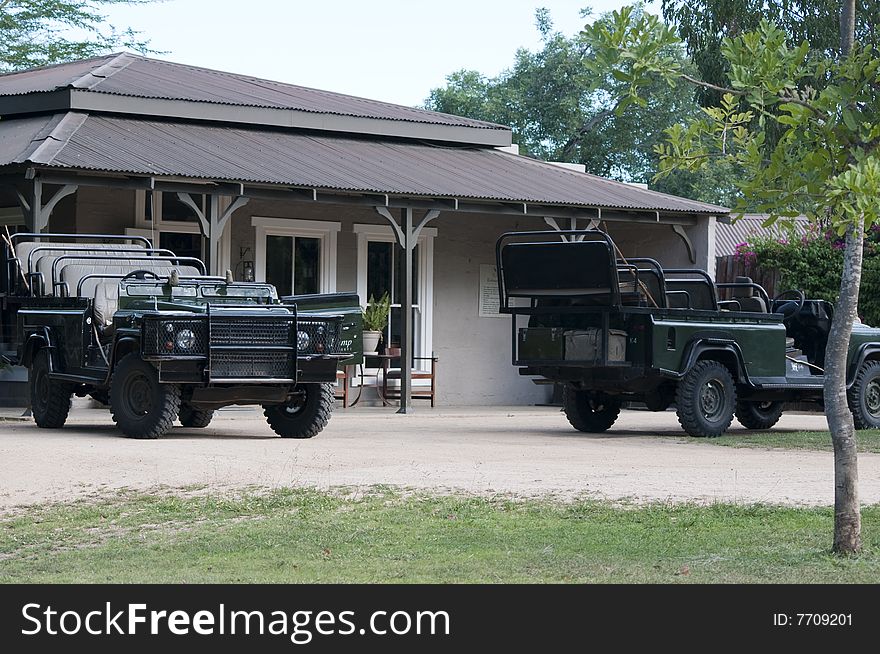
(302, 341)
(185, 339)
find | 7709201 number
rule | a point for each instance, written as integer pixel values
(824, 619)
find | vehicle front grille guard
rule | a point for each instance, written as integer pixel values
(266, 347)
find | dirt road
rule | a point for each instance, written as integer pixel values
(524, 451)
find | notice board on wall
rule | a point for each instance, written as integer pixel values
(490, 302)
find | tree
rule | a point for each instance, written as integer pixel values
(704, 24)
(41, 32)
(560, 109)
(825, 163)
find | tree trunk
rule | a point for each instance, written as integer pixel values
(847, 518)
(847, 26)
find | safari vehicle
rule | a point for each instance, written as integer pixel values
(614, 330)
(153, 336)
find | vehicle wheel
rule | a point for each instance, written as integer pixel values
(190, 417)
(758, 415)
(864, 396)
(592, 413)
(305, 415)
(50, 400)
(705, 399)
(139, 404)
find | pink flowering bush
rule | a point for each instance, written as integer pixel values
(813, 262)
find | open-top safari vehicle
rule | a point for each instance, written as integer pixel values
(615, 330)
(153, 336)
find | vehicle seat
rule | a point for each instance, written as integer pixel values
(44, 259)
(105, 291)
(700, 294)
(747, 298)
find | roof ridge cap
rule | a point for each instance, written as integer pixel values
(61, 64)
(97, 75)
(60, 135)
(312, 89)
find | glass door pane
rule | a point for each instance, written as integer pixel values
(279, 263)
(400, 272)
(380, 258)
(307, 266)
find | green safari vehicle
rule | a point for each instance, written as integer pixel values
(614, 330)
(151, 335)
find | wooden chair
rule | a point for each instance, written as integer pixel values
(418, 392)
(343, 384)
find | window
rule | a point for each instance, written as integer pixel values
(293, 264)
(381, 268)
(297, 256)
(170, 223)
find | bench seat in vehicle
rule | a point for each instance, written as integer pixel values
(105, 290)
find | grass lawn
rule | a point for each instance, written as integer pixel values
(868, 440)
(309, 536)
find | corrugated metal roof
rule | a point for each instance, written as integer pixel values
(135, 76)
(49, 78)
(229, 153)
(749, 226)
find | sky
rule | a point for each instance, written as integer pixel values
(390, 50)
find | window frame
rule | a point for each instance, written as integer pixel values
(324, 230)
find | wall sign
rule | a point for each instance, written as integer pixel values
(490, 302)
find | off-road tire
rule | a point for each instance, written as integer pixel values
(705, 399)
(196, 418)
(142, 407)
(50, 400)
(589, 413)
(759, 415)
(864, 396)
(303, 418)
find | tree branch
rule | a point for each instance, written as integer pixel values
(586, 128)
(707, 85)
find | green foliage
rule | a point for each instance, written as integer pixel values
(813, 263)
(564, 106)
(42, 32)
(376, 313)
(705, 24)
(824, 163)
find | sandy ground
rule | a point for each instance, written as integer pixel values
(522, 451)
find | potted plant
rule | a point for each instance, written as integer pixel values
(375, 321)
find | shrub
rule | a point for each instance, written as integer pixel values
(813, 263)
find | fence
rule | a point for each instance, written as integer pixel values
(729, 267)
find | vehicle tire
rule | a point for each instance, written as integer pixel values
(864, 396)
(305, 415)
(758, 415)
(190, 417)
(705, 399)
(50, 400)
(139, 404)
(591, 413)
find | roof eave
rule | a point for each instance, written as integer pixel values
(538, 210)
